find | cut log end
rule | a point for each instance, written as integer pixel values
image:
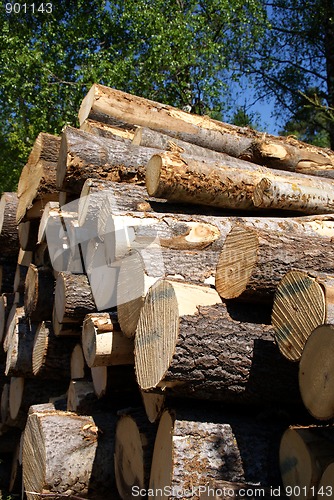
(316, 373)
(162, 461)
(299, 307)
(129, 460)
(326, 484)
(153, 175)
(236, 262)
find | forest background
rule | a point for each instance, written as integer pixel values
(230, 59)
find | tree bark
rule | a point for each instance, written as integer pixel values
(304, 454)
(254, 260)
(297, 195)
(51, 355)
(73, 298)
(231, 361)
(224, 185)
(315, 373)
(103, 342)
(20, 346)
(193, 448)
(302, 302)
(241, 142)
(39, 293)
(83, 156)
(9, 241)
(38, 177)
(53, 443)
(134, 442)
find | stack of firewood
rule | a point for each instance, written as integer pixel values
(166, 310)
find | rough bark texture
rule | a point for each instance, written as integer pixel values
(205, 354)
(38, 177)
(253, 261)
(194, 447)
(9, 241)
(73, 298)
(241, 142)
(84, 156)
(67, 454)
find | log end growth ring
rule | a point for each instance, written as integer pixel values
(236, 262)
(156, 334)
(299, 307)
(316, 373)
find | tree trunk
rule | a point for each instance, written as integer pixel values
(194, 447)
(304, 454)
(253, 261)
(241, 142)
(302, 302)
(68, 454)
(73, 298)
(134, 442)
(51, 355)
(103, 342)
(297, 195)
(205, 354)
(315, 373)
(108, 131)
(38, 177)
(19, 353)
(222, 184)
(39, 293)
(9, 241)
(83, 156)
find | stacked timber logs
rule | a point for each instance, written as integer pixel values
(160, 271)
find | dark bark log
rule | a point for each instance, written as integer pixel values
(83, 156)
(73, 298)
(205, 354)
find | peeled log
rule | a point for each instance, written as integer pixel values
(103, 102)
(108, 131)
(134, 442)
(103, 342)
(187, 344)
(294, 194)
(253, 261)
(223, 184)
(193, 448)
(73, 298)
(9, 241)
(316, 372)
(83, 156)
(38, 177)
(68, 454)
(303, 301)
(304, 454)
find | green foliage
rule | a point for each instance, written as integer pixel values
(296, 54)
(179, 52)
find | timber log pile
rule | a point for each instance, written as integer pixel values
(166, 317)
